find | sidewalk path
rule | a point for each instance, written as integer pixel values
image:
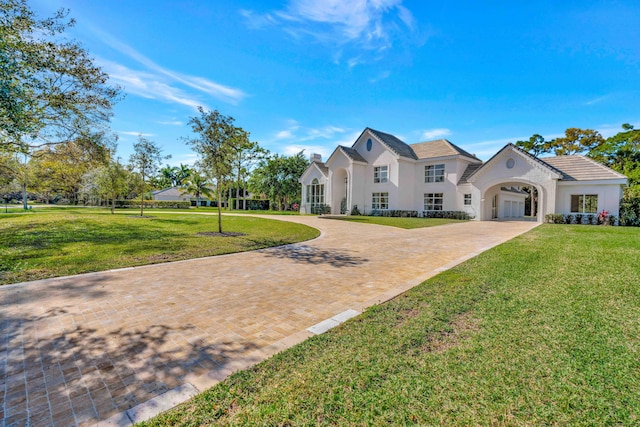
(122, 345)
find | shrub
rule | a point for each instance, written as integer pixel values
(630, 211)
(554, 218)
(568, 219)
(320, 209)
(447, 214)
(159, 204)
(355, 210)
(395, 213)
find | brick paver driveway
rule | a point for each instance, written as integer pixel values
(81, 349)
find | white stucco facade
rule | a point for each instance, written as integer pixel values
(380, 172)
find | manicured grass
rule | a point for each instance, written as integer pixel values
(542, 330)
(57, 242)
(396, 222)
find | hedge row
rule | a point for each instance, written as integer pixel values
(395, 213)
(584, 219)
(447, 214)
(158, 204)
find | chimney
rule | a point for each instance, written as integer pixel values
(315, 157)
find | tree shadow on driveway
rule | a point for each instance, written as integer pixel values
(311, 255)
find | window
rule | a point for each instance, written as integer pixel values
(380, 201)
(434, 173)
(315, 193)
(584, 203)
(433, 201)
(467, 199)
(380, 174)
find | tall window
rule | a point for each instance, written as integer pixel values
(380, 201)
(315, 193)
(467, 199)
(434, 173)
(584, 203)
(380, 174)
(433, 201)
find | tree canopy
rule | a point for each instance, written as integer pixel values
(277, 178)
(50, 89)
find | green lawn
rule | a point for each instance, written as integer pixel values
(395, 222)
(43, 243)
(542, 330)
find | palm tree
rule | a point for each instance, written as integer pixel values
(167, 176)
(182, 173)
(197, 186)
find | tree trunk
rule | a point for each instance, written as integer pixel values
(24, 196)
(238, 188)
(229, 207)
(219, 190)
(113, 204)
(244, 196)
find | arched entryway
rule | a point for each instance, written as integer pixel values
(340, 197)
(512, 200)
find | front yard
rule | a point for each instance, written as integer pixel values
(44, 243)
(542, 330)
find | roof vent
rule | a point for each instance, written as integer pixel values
(315, 157)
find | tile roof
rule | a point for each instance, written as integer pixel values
(170, 191)
(468, 172)
(396, 145)
(439, 148)
(580, 168)
(352, 154)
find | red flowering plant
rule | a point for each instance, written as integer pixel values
(602, 216)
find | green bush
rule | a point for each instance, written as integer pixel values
(158, 204)
(394, 213)
(630, 211)
(447, 215)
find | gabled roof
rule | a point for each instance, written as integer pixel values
(439, 148)
(580, 168)
(518, 150)
(396, 145)
(352, 154)
(323, 168)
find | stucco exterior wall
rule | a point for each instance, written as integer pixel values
(608, 195)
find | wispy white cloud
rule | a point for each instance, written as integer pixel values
(435, 133)
(188, 159)
(381, 76)
(597, 100)
(134, 133)
(157, 82)
(367, 25)
(171, 122)
(294, 131)
(293, 149)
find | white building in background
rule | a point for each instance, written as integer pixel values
(381, 172)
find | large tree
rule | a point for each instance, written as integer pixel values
(247, 154)
(60, 169)
(277, 178)
(536, 145)
(621, 152)
(576, 141)
(217, 137)
(146, 159)
(50, 89)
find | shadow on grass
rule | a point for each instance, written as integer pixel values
(69, 360)
(310, 255)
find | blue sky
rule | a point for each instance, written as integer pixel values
(302, 74)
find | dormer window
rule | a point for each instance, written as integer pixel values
(380, 174)
(434, 173)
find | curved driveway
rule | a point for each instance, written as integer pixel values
(92, 347)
